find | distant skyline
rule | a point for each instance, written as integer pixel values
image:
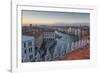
(51, 17)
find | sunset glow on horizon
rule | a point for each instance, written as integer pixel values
(50, 17)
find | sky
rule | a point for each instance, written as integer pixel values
(50, 17)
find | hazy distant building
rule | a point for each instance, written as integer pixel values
(49, 35)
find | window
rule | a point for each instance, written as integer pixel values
(25, 51)
(24, 45)
(29, 43)
(31, 57)
(30, 49)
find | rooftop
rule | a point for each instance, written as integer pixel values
(81, 53)
(27, 38)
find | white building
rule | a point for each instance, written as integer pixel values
(48, 55)
(49, 35)
(60, 49)
(37, 57)
(69, 30)
(28, 48)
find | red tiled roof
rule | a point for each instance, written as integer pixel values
(81, 53)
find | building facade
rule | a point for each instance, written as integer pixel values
(28, 48)
(49, 35)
